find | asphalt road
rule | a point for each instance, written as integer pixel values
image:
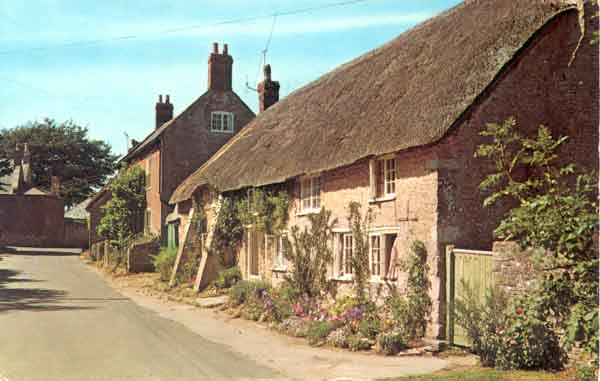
(61, 321)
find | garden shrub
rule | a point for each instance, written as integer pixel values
(390, 343)
(228, 277)
(528, 340)
(164, 262)
(369, 327)
(343, 304)
(511, 335)
(276, 307)
(357, 342)
(294, 326)
(243, 290)
(252, 308)
(318, 332)
(339, 337)
(587, 372)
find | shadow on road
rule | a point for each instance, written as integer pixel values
(38, 252)
(30, 299)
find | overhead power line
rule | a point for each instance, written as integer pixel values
(240, 20)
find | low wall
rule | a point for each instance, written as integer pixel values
(139, 256)
(31, 220)
(76, 233)
(512, 268)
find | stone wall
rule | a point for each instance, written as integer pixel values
(512, 268)
(31, 220)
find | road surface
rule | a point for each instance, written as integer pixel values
(60, 321)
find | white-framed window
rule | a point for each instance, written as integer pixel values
(310, 194)
(383, 174)
(347, 254)
(375, 256)
(221, 121)
(380, 254)
(280, 261)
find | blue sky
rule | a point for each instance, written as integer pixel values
(111, 85)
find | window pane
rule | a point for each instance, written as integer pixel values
(316, 192)
(348, 252)
(305, 193)
(390, 176)
(379, 178)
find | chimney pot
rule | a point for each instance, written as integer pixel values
(220, 69)
(164, 111)
(215, 48)
(268, 90)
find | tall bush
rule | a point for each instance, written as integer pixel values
(360, 226)
(309, 254)
(556, 213)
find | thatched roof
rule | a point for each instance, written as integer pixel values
(405, 94)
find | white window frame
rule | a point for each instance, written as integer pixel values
(222, 125)
(390, 176)
(280, 262)
(314, 185)
(346, 269)
(148, 221)
(380, 262)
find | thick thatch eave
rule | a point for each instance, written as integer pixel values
(405, 94)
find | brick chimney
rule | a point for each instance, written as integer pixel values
(164, 111)
(268, 90)
(55, 186)
(219, 69)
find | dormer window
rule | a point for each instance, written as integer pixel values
(221, 121)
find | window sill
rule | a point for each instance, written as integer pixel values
(279, 269)
(343, 278)
(307, 212)
(382, 280)
(388, 197)
(254, 277)
(221, 132)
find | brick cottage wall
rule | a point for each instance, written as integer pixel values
(153, 195)
(31, 220)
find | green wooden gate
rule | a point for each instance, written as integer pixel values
(465, 269)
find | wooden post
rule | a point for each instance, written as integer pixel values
(181, 248)
(450, 294)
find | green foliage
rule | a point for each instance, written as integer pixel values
(164, 262)
(360, 259)
(510, 335)
(243, 290)
(587, 372)
(228, 277)
(556, 213)
(310, 255)
(265, 209)
(358, 343)
(228, 232)
(482, 322)
(369, 327)
(419, 302)
(121, 215)
(343, 304)
(318, 332)
(410, 312)
(64, 150)
(189, 270)
(390, 343)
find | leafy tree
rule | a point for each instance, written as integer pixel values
(120, 220)
(64, 150)
(556, 213)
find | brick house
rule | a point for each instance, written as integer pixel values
(178, 146)
(397, 128)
